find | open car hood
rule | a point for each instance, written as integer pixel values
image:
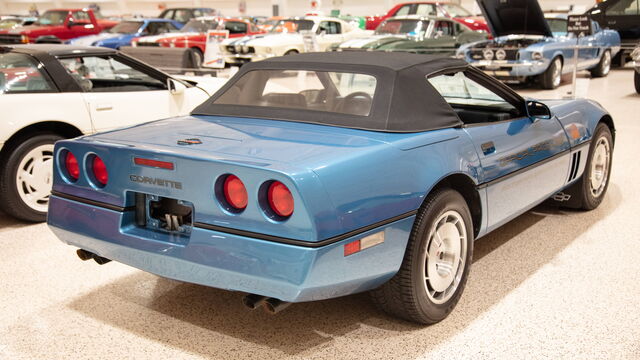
(515, 17)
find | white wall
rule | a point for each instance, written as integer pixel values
(254, 7)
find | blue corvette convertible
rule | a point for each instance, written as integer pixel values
(122, 34)
(318, 175)
(530, 46)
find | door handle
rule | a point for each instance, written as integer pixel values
(104, 107)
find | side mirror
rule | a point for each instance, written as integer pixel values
(175, 86)
(537, 110)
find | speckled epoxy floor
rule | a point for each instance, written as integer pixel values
(550, 284)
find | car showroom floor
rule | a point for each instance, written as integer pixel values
(549, 284)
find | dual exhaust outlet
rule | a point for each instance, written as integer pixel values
(269, 304)
(252, 301)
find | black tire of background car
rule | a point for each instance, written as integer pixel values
(197, 58)
(291, 52)
(404, 295)
(48, 39)
(10, 201)
(599, 70)
(546, 79)
(590, 202)
(636, 81)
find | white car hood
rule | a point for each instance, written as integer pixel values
(154, 38)
(362, 41)
(266, 40)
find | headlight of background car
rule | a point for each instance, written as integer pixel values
(536, 55)
(501, 54)
(487, 54)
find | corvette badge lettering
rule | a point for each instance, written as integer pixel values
(156, 181)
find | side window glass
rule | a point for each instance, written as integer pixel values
(426, 9)
(443, 28)
(168, 14)
(623, 8)
(20, 73)
(403, 10)
(473, 102)
(107, 74)
(236, 27)
(81, 17)
(182, 16)
(152, 28)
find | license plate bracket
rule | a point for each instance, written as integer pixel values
(165, 214)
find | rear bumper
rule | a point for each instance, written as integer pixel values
(228, 261)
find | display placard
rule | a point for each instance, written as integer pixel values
(579, 25)
(213, 57)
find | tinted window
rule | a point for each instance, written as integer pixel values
(200, 26)
(21, 74)
(403, 10)
(455, 10)
(346, 93)
(52, 18)
(81, 17)
(182, 16)
(443, 28)
(457, 89)
(167, 14)
(558, 26)
(426, 9)
(236, 27)
(126, 27)
(624, 7)
(107, 74)
(289, 26)
(409, 27)
(329, 27)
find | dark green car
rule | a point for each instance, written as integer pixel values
(414, 33)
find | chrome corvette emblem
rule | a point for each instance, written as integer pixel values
(189, 142)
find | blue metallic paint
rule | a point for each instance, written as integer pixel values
(341, 180)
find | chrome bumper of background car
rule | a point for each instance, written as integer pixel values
(230, 261)
(510, 68)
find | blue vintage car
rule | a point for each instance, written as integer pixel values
(528, 46)
(318, 175)
(122, 34)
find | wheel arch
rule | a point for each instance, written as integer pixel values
(608, 120)
(463, 184)
(56, 127)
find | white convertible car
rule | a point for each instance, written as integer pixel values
(290, 36)
(51, 92)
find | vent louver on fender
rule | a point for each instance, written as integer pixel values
(575, 165)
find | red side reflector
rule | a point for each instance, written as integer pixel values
(153, 163)
(351, 248)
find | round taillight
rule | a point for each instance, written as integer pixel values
(99, 171)
(235, 193)
(280, 199)
(71, 164)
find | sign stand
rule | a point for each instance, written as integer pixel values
(579, 25)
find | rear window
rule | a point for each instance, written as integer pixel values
(336, 92)
(20, 73)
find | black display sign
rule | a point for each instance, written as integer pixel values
(579, 25)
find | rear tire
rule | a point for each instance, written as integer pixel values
(636, 81)
(551, 78)
(603, 67)
(198, 58)
(436, 263)
(291, 52)
(25, 180)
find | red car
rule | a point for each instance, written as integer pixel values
(432, 8)
(194, 34)
(57, 26)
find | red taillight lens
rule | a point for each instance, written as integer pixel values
(71, 164)
(280, 199)
(99, 171)
(235, 193)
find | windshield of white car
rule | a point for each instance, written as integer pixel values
(126, 27)
(402, 27)
(336, 92)
(292, 26)
(52, 18)
(455, 10)
(199, 26)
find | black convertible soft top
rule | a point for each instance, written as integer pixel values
(404, 100)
